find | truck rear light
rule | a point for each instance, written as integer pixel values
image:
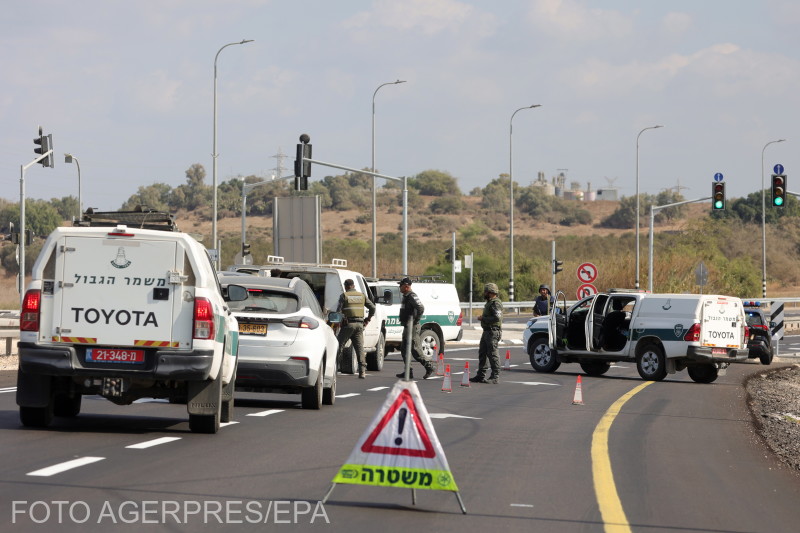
(31, 308)
(303, 322)
(203, 319)
(693, 335)
(460, 318)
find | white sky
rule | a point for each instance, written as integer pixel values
(127, 88)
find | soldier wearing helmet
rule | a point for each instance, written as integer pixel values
(411, 310)
(492, 323)
(544, 302)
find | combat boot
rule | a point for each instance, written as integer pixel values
(478, 379)
(494, 379)
(403, 374)
(429, 371)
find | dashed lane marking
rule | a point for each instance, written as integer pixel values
(151, 443)
(63, 467)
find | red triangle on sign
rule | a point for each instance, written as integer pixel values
(403, 398)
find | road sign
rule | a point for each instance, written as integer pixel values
(587, 289)
(587, 273)
(718, 176)
(778, 169)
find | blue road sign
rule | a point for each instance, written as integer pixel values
(718, 176)
(778, 169)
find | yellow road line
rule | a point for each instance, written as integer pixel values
(614, 519)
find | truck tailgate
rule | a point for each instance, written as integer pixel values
(722, 323)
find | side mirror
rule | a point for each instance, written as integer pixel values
(234, 293)
(335, 317)
(772, 325)
(387, 297)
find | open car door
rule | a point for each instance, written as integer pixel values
(557, 322)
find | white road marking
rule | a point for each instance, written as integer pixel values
(7, 389)
(63, 467)
(375, 389)
(151, 400)
(449, 415)
(151, 443)
(521, 505)
(348, 395)
(534, 383)
(267, 412)
(223, 424)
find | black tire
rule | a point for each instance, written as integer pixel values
(766, 358)
(595, 368)
(430, 343)
(311, 397)
(329, 393)
(66, 406)
(375, 359)
(348, 364)
(651, 363)
(36, 417)
(542, 357)
(703, 373)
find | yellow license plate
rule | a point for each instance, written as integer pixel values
(253, 329)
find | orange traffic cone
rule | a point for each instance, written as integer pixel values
(465, 377)
(440, 365)
(578, 398)
(507, 364)
(447, 385)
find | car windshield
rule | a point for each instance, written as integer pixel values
(266, 301)
(754, 319)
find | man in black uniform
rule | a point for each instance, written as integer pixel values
(492, 324)
(351, 305)
(411, 307)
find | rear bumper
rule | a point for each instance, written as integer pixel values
(160, 365)
(265, 376)
(702, 354)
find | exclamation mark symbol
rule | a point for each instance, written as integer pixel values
(402, 422)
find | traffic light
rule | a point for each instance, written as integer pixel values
(778, 190)
(717, 195)
(557, 266)
(245, 249)
(44, 143)
(449, 256)
(302, 167)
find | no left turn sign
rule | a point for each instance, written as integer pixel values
(587, 273)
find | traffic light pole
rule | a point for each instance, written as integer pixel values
(22, 169)
(653, 209)
(404, 180)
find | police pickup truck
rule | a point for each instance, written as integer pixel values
(126, 307)
(661, 333)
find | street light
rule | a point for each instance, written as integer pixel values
(637, 198)
(214, 155)
(374, 195)
(511, 206)
(764, 225)
(68, 158)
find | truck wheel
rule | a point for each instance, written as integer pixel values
(66, 406)
(348, 364)
(766, 358)
(703, 373)
(36, 417)
(595, 368)
(311, 397)
(375, 359)
(651, 364)
(543, 359)
(329, 393)
(430, 342)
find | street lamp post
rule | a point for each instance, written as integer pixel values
(511, 206)
(69, 158)
(764, 225)
(637, 198)
(214, 155)
(374, 195)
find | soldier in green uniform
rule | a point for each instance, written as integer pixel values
(411, 310)
(492, 324)
(351, 305)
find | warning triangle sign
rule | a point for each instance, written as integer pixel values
(399, 447)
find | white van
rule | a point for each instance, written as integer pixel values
(125, 313)
(440, 323)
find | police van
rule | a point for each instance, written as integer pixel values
(440, 323)
(661, 333)
(126, 307)
(327, 282)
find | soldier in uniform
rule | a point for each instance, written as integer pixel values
(351, 305)
(411, 307)
(544, 302)
(492, 323)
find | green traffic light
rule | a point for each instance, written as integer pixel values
(778, 201)
(718, 204)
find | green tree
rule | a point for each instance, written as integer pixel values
(155, 196)
(435, 183)
(496, 194)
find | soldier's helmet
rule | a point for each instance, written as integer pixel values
(405, 281)
(491, 287)
(545, 287)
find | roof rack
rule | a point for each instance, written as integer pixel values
(141, 217)
(432, 278)
(273, 260)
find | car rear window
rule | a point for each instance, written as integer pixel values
(754, 319)
(266, 301)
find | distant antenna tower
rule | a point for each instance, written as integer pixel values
(280, 156)
(611, 182)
